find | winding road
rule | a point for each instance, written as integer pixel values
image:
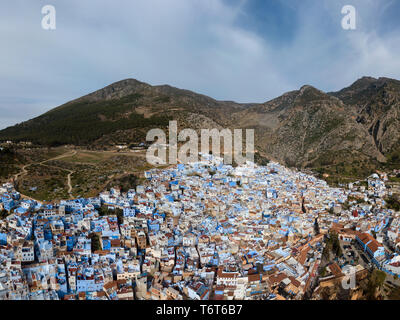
(24, 172)
(69, 153)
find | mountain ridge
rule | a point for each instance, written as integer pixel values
(303, 128)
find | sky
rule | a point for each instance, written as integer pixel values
(240, 50)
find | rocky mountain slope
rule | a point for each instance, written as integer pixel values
(377, 105)
(309, 128)
(348, 132)
(122, 112)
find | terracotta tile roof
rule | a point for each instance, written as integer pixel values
(335, 269)
(253, 277)
(276, 278)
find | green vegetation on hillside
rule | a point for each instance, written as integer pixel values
(82, 122)
(344, 171)
(260, 160)
(9, 161)
(125, 183)
(306, 128)
(375, 281)
(394, 158)
(44, 182)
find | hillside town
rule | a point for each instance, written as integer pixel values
(198, 231)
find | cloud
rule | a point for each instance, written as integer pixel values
(224, 49)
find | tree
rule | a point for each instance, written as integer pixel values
(316, 227)
(333, 244)
(393, 203)
(95, 242)
(3, 214)
(375, 281)
(104, 211)
(120, 215)
(325, 253)
(322, 272)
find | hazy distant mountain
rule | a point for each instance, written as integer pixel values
(353, 129)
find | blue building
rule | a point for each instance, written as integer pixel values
(372, 247)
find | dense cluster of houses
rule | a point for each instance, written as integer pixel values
(198, 231)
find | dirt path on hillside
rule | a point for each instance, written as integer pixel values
(71, 153)
(24, 172)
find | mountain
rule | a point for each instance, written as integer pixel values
(377, 104)
(349, 133)
(120, 113)
(309, 128)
